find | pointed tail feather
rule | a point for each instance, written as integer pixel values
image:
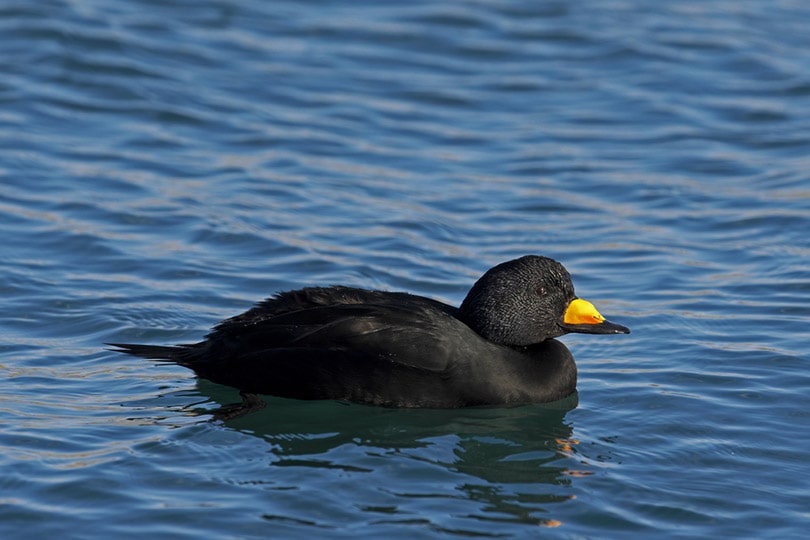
(157, 352)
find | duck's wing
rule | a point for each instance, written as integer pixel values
(376, 354)
(412, 334)
(301, 300)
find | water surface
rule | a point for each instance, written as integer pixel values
(166, 164)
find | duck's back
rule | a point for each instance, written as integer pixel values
(342, 343)
(309, 298)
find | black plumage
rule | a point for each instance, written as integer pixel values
(402, 350)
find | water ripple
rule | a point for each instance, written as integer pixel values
(166, 164)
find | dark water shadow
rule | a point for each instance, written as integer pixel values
(497, 445)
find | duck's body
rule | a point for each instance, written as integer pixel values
(398, 349)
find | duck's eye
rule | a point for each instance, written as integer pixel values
(541, 291)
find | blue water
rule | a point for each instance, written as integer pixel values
(165, 164)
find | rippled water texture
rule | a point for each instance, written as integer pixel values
(166, 164)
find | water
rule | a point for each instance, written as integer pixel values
(166, 164)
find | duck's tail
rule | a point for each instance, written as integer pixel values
(179, 354)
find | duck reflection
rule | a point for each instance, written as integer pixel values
(499, 457)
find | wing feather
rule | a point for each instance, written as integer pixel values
(412, 335)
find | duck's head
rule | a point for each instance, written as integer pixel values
(529, 300)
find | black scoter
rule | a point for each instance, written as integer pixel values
(401, 350)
